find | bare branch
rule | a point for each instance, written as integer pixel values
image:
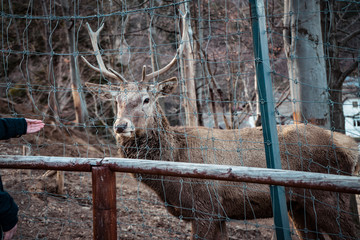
(349, 37)
(347, 72)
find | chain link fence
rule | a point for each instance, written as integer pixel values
(314, 72)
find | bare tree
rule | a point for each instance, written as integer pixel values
(341, 34)
(306, 64)
(187, 64)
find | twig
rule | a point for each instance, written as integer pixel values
(9, 101)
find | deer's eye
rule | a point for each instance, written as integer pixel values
(146, 100)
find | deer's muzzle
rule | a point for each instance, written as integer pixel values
(120, 128)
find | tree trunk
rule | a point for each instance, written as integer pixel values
(336, 109)
(306, 64)
(199, 73)
(188, 71)
(258, 111)
(81, 112)
(336, 76)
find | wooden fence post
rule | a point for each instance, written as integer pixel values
(104, 203)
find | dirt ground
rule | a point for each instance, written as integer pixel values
(44, 214)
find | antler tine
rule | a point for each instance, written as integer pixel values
(147, 77)
(118, 75)
(102, 69)
(143, 73)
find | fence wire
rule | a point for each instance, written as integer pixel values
(43, 77)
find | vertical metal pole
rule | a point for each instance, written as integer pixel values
(267, 108)
(104, 203)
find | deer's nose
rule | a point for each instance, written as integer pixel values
(120, 127)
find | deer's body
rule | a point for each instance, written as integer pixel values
(303, 148)
(143, 132)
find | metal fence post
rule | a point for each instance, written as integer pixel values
(271, 141)
(104, 203)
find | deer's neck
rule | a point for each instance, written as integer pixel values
(154, 143)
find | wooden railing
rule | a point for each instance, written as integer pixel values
(104, 180)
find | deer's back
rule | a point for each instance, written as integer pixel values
(302, 147)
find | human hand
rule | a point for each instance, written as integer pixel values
(34, 125)
(9, 234)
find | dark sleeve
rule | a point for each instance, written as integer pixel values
(12, 127)
(8, 212)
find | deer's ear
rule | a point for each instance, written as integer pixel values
(166, 87)
(105, 92)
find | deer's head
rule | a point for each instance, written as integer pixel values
(136, 101)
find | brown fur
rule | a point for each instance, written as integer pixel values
(209, 204)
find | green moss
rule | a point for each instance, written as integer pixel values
(17, 91)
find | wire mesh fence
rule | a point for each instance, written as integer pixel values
(314, 61)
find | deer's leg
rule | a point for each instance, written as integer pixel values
(305, 231)
(304, 223)
(334, 217)
(208, 229)
(328, 214)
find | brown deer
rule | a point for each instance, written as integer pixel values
(143, 132)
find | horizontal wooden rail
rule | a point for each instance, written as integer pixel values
(287, 178)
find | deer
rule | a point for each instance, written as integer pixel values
(143, 132)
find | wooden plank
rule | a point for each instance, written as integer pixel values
(288, 178)
(48, 163)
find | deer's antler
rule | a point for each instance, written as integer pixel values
(102, 69)
(147, 77)
(113, 74)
